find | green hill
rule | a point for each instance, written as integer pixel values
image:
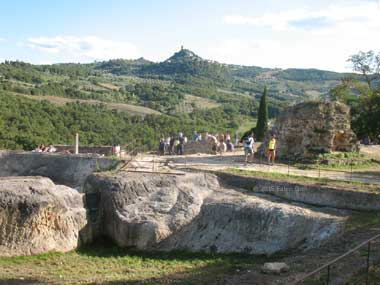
(227, 94)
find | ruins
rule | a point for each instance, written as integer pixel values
(310, 128)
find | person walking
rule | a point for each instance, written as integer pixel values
(271, 149)
(248, 147)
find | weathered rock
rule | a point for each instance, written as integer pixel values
(194, 212)
(69, 170)
(312, 127)
(274, 267)
(37, 216)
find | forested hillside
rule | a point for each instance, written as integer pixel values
(189, 92)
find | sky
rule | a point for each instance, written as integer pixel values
(272, 33)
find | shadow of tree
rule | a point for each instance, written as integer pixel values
(216, 269)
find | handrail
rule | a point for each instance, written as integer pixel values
(327, 265)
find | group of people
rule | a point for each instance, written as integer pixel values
(249, 150)
(172, 145)
(175, 144)
(222, 142)
(43, 148)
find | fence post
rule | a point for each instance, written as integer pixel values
(367, 268)
(328, 275)
(351, 170)
(288, 164)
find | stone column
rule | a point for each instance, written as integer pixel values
(76, 143)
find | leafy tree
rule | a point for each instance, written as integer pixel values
(343, 91)
(363, 98)
(368, 64)
(366, 116)
(262, 120)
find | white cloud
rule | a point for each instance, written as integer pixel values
(311, 53)
(300, 18)
(322, 38)
(2, 40)
(83, 48)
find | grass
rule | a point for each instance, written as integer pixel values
(343, 161)
(335, 167)
(109, 86)
(320, 181)
(275, 175)
(104, 263)
(373, 276)
(201, 103)
(363, 220)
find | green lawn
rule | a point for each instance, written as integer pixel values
(108, 264)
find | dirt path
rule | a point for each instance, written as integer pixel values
(147, 162)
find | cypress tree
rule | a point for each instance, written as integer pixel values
(262, 120)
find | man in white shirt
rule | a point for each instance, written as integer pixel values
(248, 147)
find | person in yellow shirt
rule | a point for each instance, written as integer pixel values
(271, 152)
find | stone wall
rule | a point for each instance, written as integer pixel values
(309, 128)
(319, 195)
(202, 146)
(103, 150)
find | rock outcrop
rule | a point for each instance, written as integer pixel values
(194, 212)
(274, 267)
(310, 128)
(69, 170)
(37, 216)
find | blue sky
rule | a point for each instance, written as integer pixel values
(272, 33)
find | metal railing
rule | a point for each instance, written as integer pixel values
(328, 265)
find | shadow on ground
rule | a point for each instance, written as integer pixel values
(213, 269)
(21, 282)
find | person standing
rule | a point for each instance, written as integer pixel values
(181, 145)
(272, 149)
(248, 147)
(161, 147)
(236, 138)
(171, 145)
(230, 146)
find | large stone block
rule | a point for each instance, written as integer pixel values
(37, 216)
